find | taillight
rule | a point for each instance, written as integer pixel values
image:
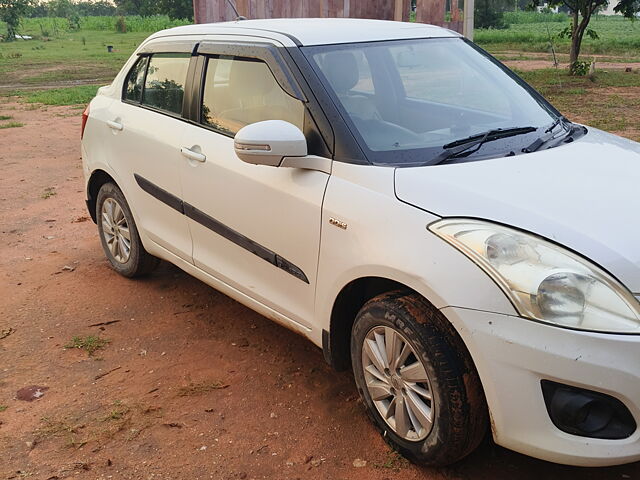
(85, 117)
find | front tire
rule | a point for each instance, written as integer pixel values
(417, 379)
(119, 235)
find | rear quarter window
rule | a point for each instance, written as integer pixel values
(135, 81)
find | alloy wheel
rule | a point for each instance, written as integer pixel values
(115, 230)
(398, 383)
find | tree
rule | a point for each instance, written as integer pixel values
(176, 9)
(11, 12)
(581, 12)
(66, 9)
(60, 8)
(71, 8)
(489, 13)
(629, 8)
(144, 8)
(39, 9)
(96, 7)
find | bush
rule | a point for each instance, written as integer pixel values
(489, 14)
(579, 68)
(121, 25)
(74, 21)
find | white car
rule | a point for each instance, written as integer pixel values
(407, 203)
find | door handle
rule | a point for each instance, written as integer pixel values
(191, 155)
(115, 125)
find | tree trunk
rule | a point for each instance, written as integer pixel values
(577, 33)
(575, 39)
(576, 42)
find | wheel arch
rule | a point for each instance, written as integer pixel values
(336, 341)
(98, 178)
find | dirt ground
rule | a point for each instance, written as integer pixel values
(526, 61)
(526, 65)
(191, 385)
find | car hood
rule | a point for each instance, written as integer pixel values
(584, 195)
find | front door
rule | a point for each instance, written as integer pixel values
(256, 228)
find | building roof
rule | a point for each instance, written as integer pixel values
(317, 31)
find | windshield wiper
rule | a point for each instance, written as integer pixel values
(548, 136)
(458, 147)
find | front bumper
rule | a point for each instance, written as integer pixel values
(513, 355)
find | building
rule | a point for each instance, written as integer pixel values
(435, 12)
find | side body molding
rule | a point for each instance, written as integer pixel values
(221, 229)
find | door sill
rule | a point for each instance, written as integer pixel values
(221, 286)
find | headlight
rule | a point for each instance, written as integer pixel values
(544, 281)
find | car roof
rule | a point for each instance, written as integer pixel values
(317, 31)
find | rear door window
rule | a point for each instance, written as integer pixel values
(165, 81)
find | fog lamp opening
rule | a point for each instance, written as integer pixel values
(587, 413)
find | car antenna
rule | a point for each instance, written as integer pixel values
(238, 16)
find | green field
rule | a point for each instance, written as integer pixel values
(531, 32)
(73, 56)
(48, 26)
(76, 62)
(57, 54)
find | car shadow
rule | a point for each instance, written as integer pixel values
(336, 394)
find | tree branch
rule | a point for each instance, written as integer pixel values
(595, 5)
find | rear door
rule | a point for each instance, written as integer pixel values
(256, 228)
(146, 130)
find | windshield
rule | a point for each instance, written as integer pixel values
(405, 100)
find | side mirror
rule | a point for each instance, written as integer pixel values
(268, 142)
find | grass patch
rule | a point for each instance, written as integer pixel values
(11, 125)
(550, 77)
(64, 57)
(98, 425)
(528, 32)
(52, 27)
(3, 408)
(394, 461)
(200, 388)
(54, 428)
(118, 411)
(80, 95)
(5, 117)
(90, 344)
(48, 193)
(515, 18)
(610, 101)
